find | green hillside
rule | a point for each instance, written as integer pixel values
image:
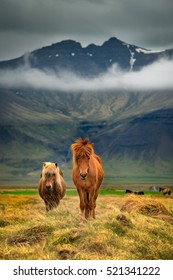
(132, 132)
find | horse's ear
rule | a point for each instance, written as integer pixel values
(44, 164)
(56, 164)
(92, 144)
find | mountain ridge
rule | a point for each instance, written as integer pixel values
(87, 61)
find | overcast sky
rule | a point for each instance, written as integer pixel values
(26, 25)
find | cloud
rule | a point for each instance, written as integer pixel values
(157, 76)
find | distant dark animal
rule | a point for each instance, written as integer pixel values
(139, 193)
(129, 191)
(165, 191)
(87, 176)
(51, 186)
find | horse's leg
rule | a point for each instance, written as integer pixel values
(91, 203)
(57, 201)
(87, 206)
(94, 201)
(94, 205)
(82, 203)
(48, 206)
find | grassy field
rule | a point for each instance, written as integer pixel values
(126, 227)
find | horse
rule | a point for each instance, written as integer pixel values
(128, 191)
(136, 192)
(165, 191)
(139, 193)
(87, 175)
(51, 186)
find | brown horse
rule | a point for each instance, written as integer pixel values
(51, 186)
(165, 191)
(87, 175)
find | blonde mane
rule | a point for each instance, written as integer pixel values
(51, 168)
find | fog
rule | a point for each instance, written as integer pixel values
(153, 77)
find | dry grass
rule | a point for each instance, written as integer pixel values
(145, 206)
(143, 230)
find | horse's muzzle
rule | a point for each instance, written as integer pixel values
(48, 188)
(83, 175)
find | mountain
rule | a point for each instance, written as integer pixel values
(132, 130)
(89, 61)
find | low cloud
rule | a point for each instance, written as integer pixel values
(157, 76)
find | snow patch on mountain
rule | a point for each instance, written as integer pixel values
(132, 59)
(140, 50)
(90, 54)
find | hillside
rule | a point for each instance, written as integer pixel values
(132, 129)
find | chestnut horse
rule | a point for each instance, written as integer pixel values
(87, 175)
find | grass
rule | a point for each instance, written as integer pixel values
(126, 227)
(70, 191)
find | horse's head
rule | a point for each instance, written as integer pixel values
(82, 151)
(83, 165)
(49, 176)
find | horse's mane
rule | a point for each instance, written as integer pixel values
(98, 158)
(82, 147)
